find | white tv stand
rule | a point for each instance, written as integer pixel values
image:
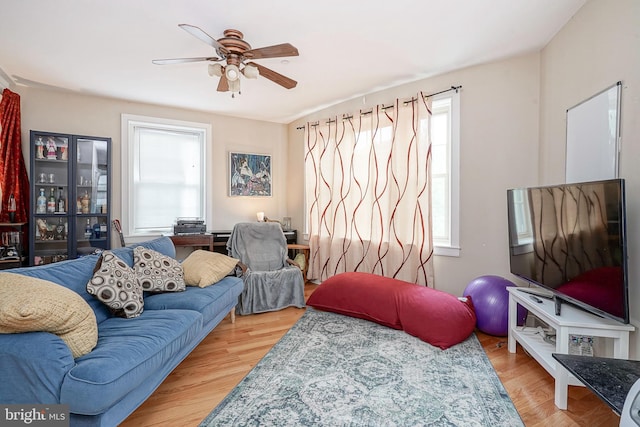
(571, 321)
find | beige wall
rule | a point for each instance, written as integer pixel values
(64, 112)
(499, 148)
(599, 46)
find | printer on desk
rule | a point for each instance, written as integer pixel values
(189, 226)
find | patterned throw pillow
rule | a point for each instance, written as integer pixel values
(29, 304)
(157, 272)
(204, 268)
(115, 284)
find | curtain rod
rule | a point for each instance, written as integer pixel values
(456, 88)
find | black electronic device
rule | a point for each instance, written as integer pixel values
(8, 253)
(189, 226)
(571, 239)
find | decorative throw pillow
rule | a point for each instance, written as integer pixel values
(204, 268)
(115, 284)
(157, 272)
(28, 304)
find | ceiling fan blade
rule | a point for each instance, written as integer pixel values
(277, 78)
(223, 84)
(275, 51)
(184, 60)
(198, 33)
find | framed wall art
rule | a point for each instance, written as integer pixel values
(249, 174)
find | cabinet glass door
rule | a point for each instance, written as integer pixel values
(70, 187)
(50, 181)
(91, 190)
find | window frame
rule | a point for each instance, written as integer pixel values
(129, 123)
(453, 246)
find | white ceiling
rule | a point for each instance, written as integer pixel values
(347, 48)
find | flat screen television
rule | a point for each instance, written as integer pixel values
(570, 239)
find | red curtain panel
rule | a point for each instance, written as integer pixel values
(13, 173)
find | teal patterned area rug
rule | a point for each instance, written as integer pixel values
(334, 370)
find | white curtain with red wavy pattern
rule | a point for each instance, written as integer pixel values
(368, 192)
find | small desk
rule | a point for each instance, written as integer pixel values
(220, 240)
(216, 241)
(609, 379)
(204, 241)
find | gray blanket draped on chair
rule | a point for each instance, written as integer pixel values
(270, 283)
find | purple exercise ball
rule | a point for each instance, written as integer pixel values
(491, 303)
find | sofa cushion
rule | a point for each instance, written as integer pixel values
(128, 352)
(115, 284)
(204, 268)
(29, 304)
(208, 301)
(436, 317)
(157, 272)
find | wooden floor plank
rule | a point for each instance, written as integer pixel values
(230, 351)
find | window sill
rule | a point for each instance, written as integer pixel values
(446, 251)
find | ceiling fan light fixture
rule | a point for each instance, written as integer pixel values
(250, 72)
(234, 87)
(215, 70)
(234, 51)
(232, 72)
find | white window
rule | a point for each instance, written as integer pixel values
(445, 187)
(164, 173)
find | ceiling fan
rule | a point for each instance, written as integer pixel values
(235, 52)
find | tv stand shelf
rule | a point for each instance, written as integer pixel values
(571, 321)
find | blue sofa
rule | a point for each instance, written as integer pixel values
(132, 357)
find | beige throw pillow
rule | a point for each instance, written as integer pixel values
(204, 268)
(28, 304)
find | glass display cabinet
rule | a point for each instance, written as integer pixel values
(70, 193)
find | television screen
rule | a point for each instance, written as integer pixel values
(570, 239)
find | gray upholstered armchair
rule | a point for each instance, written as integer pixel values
(271, 280)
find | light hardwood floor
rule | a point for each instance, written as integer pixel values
(229, 352)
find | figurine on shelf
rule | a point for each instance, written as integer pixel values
(39, 148)
(12, 208)
(43, 229)
(59, 230)
(51, 149)
(86, 202)
(63, 153)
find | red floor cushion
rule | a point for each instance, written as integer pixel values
(436, 317)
